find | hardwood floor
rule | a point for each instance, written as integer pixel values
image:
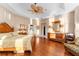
(42, 47)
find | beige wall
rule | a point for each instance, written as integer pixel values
(34, 21)
(17, 20)
(77, 21)
(74, 21)
(71, 22)
(12, 19)
(77, 15)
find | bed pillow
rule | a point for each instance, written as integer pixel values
(14, 33)
(5, 35)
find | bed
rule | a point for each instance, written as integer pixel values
(5, 28)
(12, 41)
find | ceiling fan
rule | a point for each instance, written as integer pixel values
(35, 8)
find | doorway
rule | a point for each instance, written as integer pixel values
(44, 29)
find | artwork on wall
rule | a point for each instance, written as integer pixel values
(22, 29)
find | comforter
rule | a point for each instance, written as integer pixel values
(19, 42)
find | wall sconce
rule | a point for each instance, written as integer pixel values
(49, 26)
(61, 25)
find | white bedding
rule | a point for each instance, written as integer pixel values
(20, 42)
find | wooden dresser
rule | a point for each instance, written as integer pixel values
(56, 37)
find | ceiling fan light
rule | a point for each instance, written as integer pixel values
(37, 9)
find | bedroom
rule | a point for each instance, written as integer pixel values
(37, 29)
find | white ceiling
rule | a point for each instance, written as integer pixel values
(52, 9)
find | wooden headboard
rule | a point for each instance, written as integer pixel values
(5, 28)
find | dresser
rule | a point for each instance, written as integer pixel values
(60, 37)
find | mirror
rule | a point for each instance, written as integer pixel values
(56, 26)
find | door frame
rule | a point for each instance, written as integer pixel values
(42, 29)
